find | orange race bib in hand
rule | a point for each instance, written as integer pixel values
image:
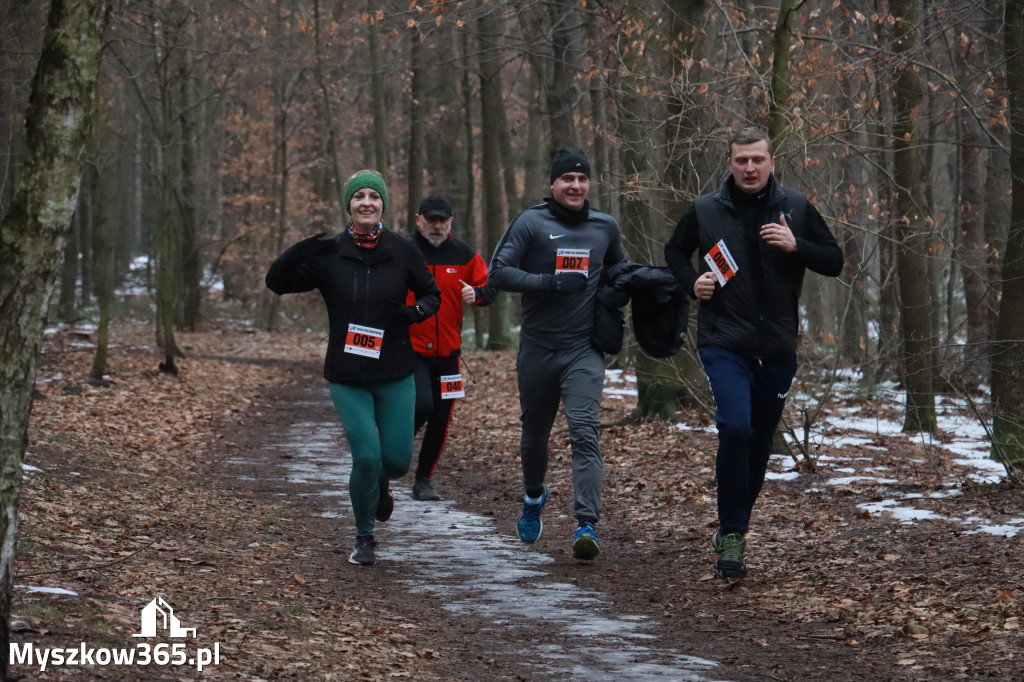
(451, 387)
(365, 341)
(721, 262)
(572, 260)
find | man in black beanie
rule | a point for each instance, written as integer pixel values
(553, 254)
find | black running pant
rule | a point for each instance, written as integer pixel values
(432, 410)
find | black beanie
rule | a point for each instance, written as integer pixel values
(569, 160)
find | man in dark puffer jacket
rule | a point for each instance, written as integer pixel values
(755, 239)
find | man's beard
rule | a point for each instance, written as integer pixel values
(435, 241)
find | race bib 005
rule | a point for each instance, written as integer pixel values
(572, 260)
(452, 387)
(365, 341)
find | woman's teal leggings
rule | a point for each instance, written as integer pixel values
(378, 422)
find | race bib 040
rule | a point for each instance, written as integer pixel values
(721, 262)
(365, 341)
(452, 387)
(572, 260)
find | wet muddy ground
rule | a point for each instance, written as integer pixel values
(224, 491)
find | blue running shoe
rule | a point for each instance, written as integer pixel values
(530, 525)
(584, 544)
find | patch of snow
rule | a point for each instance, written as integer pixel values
(846, 480)
(46, 590)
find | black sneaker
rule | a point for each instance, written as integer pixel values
(730, 549)
(363, 553)
(423, 491)
(385, 504)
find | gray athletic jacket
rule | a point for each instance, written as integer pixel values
(545, 239)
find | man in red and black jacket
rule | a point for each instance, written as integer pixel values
(461, 274)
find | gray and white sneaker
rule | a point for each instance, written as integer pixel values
(363, 553)
(423, 491)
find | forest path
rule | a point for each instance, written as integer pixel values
(222, 491)
(497, 599)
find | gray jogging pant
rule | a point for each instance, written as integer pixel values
(574, 376)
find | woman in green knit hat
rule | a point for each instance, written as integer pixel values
(363, 274)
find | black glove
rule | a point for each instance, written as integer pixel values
(411, 314)
(312, 247)
(567, 282)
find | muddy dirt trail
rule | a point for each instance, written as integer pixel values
(489, 607)
(224, 491)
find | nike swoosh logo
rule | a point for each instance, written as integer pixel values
(555, 236)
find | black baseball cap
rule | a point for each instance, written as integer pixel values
(436, 205)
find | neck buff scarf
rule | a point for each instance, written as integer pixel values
(367, 240)
(566, 216)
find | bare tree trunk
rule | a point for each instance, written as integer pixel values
(446, 162)
(491, 114)
(600, 188)
(997, 221)
(658, 386)
(67, 296)
(888, 354)
(972, 248)
(998, 182)
(169, 214)
(971, 251)
(106, 254)
(189, 200)
(379, 105)
(468, 210)
(417, 98)
(536, 156)
(916, 298)
(328, 109)
(1008, 351)
(283, 172)
(780, 73)
(566, 32)
(57, 124)
(20, 32)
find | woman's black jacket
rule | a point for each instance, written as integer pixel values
(365, 287)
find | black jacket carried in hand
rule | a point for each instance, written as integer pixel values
(364, 290)
(660, 309)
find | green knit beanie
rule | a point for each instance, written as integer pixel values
(363, 179)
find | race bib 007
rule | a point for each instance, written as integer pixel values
(365, 341)
(451, 387)
(572, 260)
(721, 262)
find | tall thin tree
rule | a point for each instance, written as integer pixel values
(1008, 357)
(916, 298)
(58, 120)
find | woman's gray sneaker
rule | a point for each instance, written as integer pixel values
(423, 491)
(363, 553)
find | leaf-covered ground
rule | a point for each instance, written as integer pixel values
(130, 493)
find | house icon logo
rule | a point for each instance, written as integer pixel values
(171, 623)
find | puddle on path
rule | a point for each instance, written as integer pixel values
(471, 569)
